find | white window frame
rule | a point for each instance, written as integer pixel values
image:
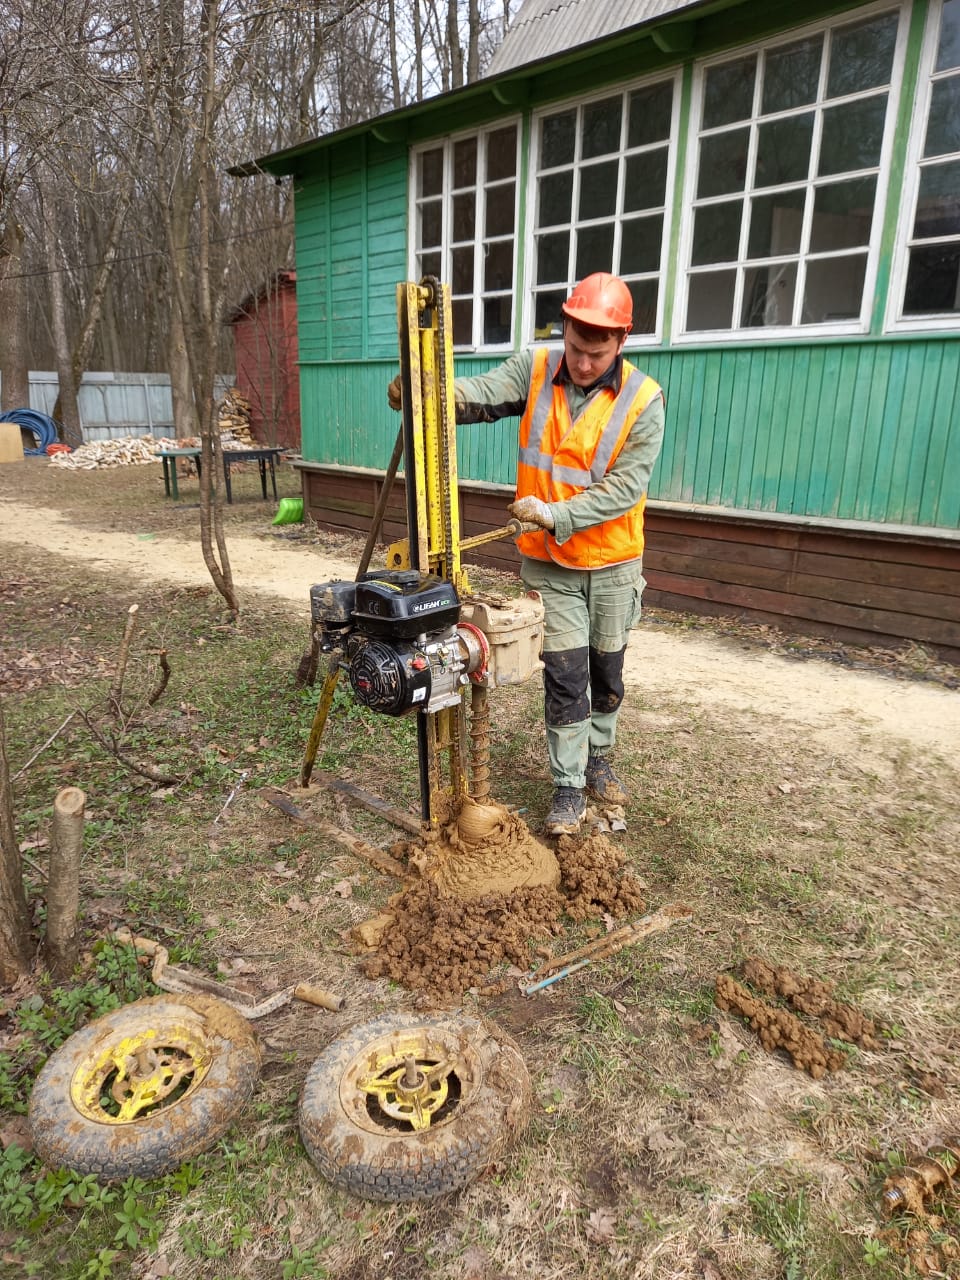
(447, 143)
(895, 321)
(667, 210)
(765, 333)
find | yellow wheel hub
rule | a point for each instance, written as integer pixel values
(131, 1077)
(409, 1081)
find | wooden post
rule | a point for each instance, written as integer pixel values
(63, 889)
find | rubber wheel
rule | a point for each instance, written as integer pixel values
(142, 1089)
(371, 1136)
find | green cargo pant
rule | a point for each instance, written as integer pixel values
(588, 616)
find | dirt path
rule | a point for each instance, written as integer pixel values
(837, 705)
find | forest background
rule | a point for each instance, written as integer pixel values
(123, 239)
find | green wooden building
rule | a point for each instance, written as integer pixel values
(779, 184)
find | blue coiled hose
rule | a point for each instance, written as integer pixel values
(42, 426)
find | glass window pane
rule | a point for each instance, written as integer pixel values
(465, 162)
(776, 223)
(861, 56)
(430, 264)
(783, 150)
(462, 322)
(498, 265)
(502, 154)
(556, 199)
(710, 303)
(768, 294)
(462, 281)
(431, 172)
(843, 215)
(728, 92)
(548, 318)
(553, 257)
(933, 280)
(791, 75)
(594, 250)
(431, 223)
(716, 233)
(644, 294)
(497, 314)
(601, 127)
(938, 204)
(723, 163)
(834, 289)
(640, 244)
(558, 136)
(598, 190)
(500, 203)
(852, 134)
(943, 126)
(649, 114)
(465, 216)
(948, 50)
(645, 181)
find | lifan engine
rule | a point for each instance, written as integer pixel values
(403, 644)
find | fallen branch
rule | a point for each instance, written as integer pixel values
(164, 678)
(148, 771)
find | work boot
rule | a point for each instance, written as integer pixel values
(603, 783)
(566, 812)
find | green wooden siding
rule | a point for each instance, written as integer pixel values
(847, 430)
(863, 431)
(351, 233)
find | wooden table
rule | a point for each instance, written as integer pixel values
(266, 459)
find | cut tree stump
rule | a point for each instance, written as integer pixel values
(63, 888)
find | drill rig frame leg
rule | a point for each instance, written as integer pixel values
(425, 331)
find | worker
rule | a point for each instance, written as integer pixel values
(591, 429)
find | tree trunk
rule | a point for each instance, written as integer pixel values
(63, 889)
(473, 42)
(14, 916)
(66, 410)
(453, 42)
(181, 387)
(15, 391)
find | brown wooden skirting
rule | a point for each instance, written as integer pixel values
(864, 584)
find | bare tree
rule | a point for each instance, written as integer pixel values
(14, 916)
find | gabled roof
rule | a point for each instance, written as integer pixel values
(543, 28)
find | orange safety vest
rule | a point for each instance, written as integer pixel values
(560, 458)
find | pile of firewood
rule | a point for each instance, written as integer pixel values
(234, 420)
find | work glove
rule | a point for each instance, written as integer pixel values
(532, 511)
(395, 394)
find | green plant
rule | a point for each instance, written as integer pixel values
(874, 1251)
(137, 1219)
(303, 1265)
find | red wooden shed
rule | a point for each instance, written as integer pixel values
(265, 347)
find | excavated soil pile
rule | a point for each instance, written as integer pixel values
(434, 939)
(778, 1029)
(813, 997)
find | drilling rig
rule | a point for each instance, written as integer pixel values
(411, 637)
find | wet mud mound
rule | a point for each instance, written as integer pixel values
(435, 940)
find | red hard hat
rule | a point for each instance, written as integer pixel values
(601, 300)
